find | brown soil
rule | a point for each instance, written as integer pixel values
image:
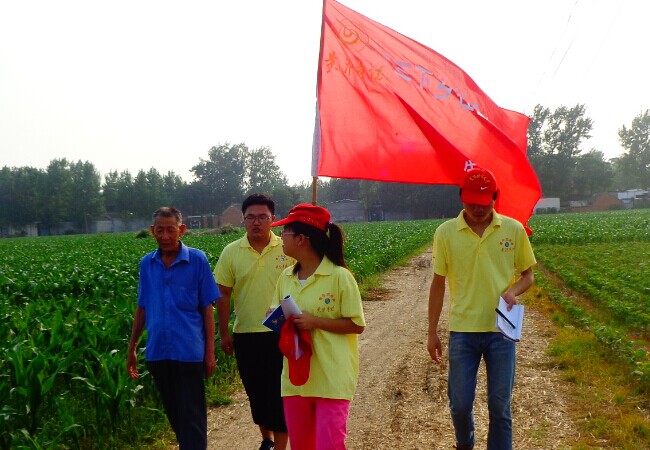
(401, 400)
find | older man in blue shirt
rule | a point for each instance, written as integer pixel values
(176, 296)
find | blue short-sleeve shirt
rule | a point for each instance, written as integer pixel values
(173, 300)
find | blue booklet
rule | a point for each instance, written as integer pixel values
(275, 320)
(278, 316)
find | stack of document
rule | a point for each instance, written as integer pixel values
(510, 322)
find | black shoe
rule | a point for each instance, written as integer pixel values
(463, 447)
(267, 444)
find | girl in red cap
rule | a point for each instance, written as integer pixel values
(317, 410)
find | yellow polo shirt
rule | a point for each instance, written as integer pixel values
(479, 269)
(252, 276)
(331, 292)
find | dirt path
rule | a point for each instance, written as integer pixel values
(401, 400)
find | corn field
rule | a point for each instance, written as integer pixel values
(604, 257)
(66, 309)
(67, 304)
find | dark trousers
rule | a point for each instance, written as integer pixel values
(259, 362)
(182, 390)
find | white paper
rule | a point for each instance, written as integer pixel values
(290, 308)
(515, 316)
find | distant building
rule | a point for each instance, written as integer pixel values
(347, 211)
(231, 216)
(547, 205)
(573, 204)
(629, 197)
(28, 230)
(376, 213)
(631, 194)
(605, 201)
(202, 221)
(117, 223)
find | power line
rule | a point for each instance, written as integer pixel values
(563, 56)
(604, 37)
(555, 48)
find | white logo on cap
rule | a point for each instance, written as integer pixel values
(483, 188)
(469, 165)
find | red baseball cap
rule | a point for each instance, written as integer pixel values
(479, 186)
(313, 215)
(298, 365)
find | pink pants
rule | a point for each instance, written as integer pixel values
(316, 423)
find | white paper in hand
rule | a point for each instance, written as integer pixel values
(510, 322)
(289, 307)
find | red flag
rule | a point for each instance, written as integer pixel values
(392, 109)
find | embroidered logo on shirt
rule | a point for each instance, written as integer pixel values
(282, 262)
(507, 245)
(326, 303)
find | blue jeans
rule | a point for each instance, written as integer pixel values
(465, 353)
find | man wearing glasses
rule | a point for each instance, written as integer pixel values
(482, 255)
(247, 271)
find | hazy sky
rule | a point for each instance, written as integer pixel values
(140, 84)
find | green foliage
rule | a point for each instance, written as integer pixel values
(634, 165)
(67, 307)
(230, 229)
(65, 191)
(144, 233)
(222, 174)
(614, 339)
(582, 228)
(593, 174)
(606, 258)
(73, 192)
(374, 247)
(232, 172)
(127, 196)
(20, 194)
(602, 261)
(262, 173)
(616, 276)
(554, 149)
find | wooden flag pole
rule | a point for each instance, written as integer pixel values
(314, 179)
(314, 185)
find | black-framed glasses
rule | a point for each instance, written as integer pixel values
(261, 218)
(287, 233)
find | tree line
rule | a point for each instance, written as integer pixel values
(565, 170)
(68, 191)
